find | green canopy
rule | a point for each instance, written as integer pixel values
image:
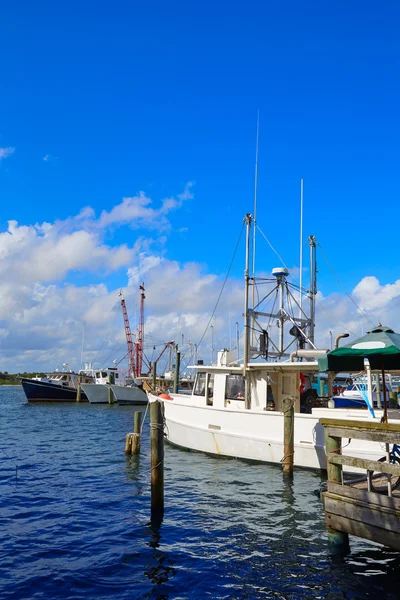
(381, 346)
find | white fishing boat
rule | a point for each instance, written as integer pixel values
(236, 409)
(98, 392)
(129, 394)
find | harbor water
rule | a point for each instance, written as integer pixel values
(74, 519)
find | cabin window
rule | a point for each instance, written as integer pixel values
(64, 377)
(116, 375)
(270, 399)
(210, 389)
(235, 387)
(97, 374)
(200, 385)
(104, 374)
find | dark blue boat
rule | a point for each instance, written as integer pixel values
(44, 391)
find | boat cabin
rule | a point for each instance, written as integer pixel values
(224, 385)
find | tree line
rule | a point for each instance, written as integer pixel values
(15, 378)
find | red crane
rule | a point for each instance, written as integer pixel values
(128, 334)
(135, 355)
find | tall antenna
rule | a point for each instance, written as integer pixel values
(139, 342)
(301, 245)
(255, 222)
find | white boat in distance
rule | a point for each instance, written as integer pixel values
(97, 392)
(236, 409)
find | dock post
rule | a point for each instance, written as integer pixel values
(128, 443)
(135, 443)
(338, 540)
(154, 377)
(157, 461)
(111, 380)
(176, 373)
(78, 390)
(288, 435)
(321, 388)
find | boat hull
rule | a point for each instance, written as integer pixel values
(249, 434)
(129, 395)
(97, 393)
(41, 391)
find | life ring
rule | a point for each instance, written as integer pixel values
(302, 382)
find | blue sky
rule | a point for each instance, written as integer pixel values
(126, 97)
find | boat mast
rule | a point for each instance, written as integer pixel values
(128, 335)
(313, 288)
(301, 248)
(248, 219)
(255, 225)
(139, 342)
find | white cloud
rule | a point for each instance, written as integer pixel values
(41, 315)
(6, 152)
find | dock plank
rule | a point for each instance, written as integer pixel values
(357, 510)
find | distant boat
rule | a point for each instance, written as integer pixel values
(57, 387)
(355, 395)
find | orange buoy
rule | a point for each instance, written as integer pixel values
(165, 396)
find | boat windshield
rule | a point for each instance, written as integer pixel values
(235, 387)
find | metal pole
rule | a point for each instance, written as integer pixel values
(313, 287)
(237, 339)
(212, 344)
(255, 223)
(301, 247)
(281, 313)
(248, 219)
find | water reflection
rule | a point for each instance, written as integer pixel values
(160, 568)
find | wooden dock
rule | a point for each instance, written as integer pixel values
(368, 505)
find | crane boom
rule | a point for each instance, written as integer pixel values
(128, 335)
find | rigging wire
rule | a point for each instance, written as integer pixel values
(342, 286)
(334, 319)
(222, 288)
(271, 246)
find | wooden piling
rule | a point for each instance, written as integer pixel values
(154, 377)
(135, 443)
(176, 373)
(157, 460)
(111, 380)
(128, 443)
(333, 445)
(288, 435)
(321, 387)
(78, 390)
